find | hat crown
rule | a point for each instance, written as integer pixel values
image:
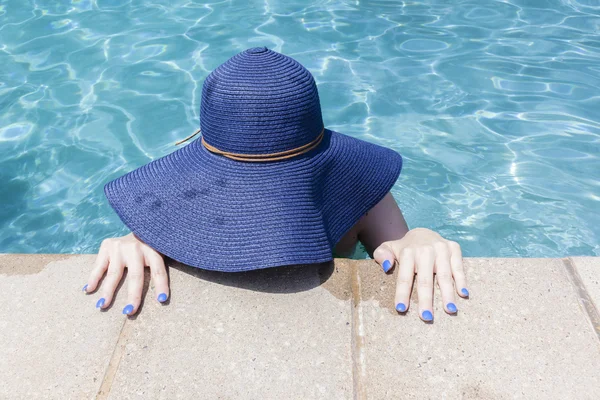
(260, 102)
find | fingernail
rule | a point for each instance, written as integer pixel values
(100, 303)
(464, 291)
(162, 297)
(400, 307)
(427, 316)
(451, 307)
(85, 287)
(387, 265)
(128, 308)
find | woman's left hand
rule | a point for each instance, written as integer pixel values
(425, 253)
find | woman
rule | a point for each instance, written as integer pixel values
(268, 185)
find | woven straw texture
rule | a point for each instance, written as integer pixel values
(260, 102)
(212, 212)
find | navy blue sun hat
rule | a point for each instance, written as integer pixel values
(266, 184)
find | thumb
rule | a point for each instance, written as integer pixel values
(384, 257)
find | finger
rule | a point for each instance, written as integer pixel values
(404, 281)
(384, 256)
(113, 277)
(443, 275)
(458, 272)
(100, 267)
(159, 274)
(424, 259)
(135, 278)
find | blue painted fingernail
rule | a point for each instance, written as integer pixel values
(451, 307)
(128, 308)
(85, 287)
(162, 297)
(387, 265)
(400, 307)
(100, 303)
(464, 291)
(427, 316)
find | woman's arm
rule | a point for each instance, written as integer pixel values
(382, 223)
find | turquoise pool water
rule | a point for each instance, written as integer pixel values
(495, 107)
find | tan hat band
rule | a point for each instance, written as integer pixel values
(261, 157)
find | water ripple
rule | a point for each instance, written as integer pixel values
(494, 106)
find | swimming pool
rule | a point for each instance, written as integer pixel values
(495, 107)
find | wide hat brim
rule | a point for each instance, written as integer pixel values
(212, 212)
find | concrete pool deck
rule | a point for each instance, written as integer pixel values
(531, 329)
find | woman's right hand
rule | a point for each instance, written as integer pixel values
(128, 251)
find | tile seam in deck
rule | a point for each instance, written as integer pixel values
(358, 361)
(115, 360)
(583, 297)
